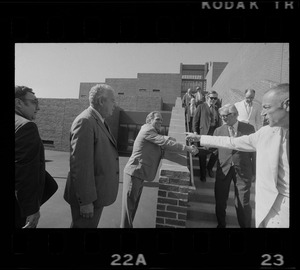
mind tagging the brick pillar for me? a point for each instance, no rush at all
(172, 199)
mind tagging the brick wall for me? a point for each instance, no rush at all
(174, 178)
(128, 89)
(55, 117)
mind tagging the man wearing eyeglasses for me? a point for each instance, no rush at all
(249, 111)
(205, 121)
(33, 184)
(236, 166)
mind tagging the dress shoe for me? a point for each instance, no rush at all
(210, 173)
(203, 179)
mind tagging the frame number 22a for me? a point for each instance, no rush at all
(128, 260)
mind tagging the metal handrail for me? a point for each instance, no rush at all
(192, 183)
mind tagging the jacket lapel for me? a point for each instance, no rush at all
(105, 130)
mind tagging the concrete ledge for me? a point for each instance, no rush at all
(174, 178)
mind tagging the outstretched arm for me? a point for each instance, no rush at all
(245, 143)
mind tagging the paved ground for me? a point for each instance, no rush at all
(55, 213)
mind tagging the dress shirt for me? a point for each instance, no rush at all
(283, 183)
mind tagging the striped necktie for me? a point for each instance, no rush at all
(231, 131)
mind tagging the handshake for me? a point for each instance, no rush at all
(192, 137)
(192, 149)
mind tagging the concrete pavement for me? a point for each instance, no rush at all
(55, 213)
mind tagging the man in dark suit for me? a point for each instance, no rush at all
(93, 180)
(144, 162)
(33, 185)
(205, 121)
(236, 166)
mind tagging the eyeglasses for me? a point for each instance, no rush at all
(33, 101)
(225, 115)
(214, 98)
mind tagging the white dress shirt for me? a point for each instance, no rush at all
(249, 114)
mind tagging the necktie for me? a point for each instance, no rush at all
(231, 131)
(248, 105)
(212, 116)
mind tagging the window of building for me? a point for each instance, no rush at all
(48, 143)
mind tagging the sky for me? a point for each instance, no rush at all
(55, 70)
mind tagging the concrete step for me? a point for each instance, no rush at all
(206, 194)
(201, 214)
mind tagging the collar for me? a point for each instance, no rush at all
(235, 125)
(98, 114)
(246, 103)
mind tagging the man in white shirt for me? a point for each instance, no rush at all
(249, 111)
(271, 144)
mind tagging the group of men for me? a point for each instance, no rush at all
(93, 179)
(246, 151)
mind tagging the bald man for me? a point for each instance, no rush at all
(271, 143)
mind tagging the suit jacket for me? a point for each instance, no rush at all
(244, 162)
(267, 144)
(147, 152)
(254, 118)
(29, 166)
(94, 162)
(201, 121)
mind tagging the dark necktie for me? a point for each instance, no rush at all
(212, 116)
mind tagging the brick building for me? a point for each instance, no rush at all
(136, 97)
(256, 65)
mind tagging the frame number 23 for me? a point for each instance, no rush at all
(272, 260)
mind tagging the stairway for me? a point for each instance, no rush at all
(201, 206)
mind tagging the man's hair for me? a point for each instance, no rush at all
(21, 91)
(229, 108)
(97, 91)
(150, 116)
(250, 90)
(281, 91)
(213, 92)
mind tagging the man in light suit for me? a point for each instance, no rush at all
(205, 121)
(249, 111)
(271, 143)
(93, 180)
(144, 162)
(33, 184)
(236, 166)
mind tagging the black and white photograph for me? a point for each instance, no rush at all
(136, 169)
(149, 135)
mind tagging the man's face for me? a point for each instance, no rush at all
(108, 104)
(28, 106)
(211, 99)
(228, 117)
(273, 111)
(157, 121)
(249, 96)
